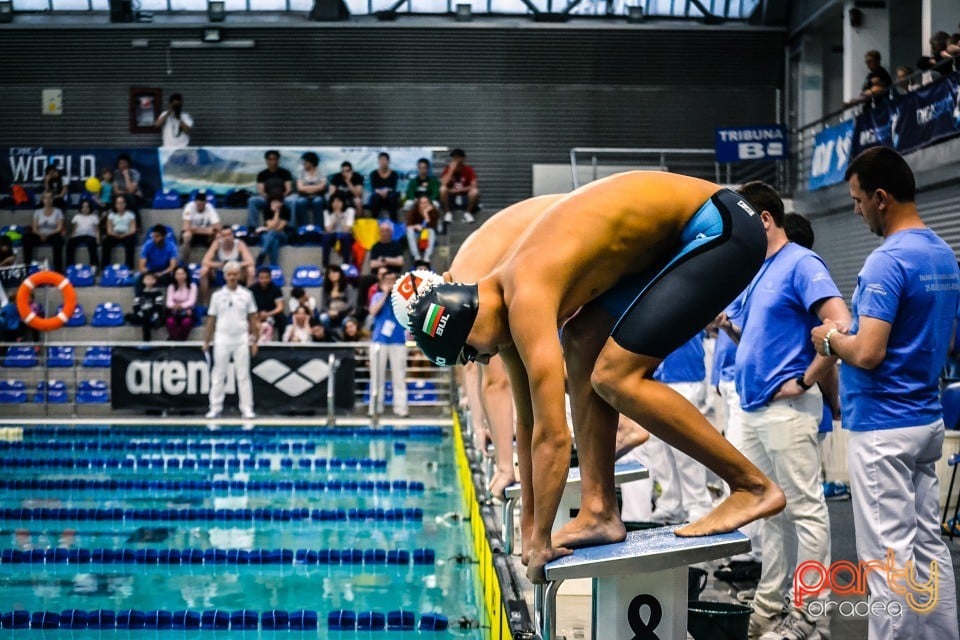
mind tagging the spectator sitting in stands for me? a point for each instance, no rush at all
(338, 226)
(273, 233)
(311, 187)
(422, 225)
(352, 331)
(53, 182)
(269, 299)
(938, 53)
(272, 182)
(159, 257)
(224, 249)
(339, 298)
(300, 298)
(458, 182)
(181, 304)
(319, 332)
(877, 82)
(104, 197)
(7, 255)
(424, 184)
(148, 306)
(126, 182)
(387, 252)
(384, 183)
(349, 185)
(953, 45)
(46, 229)
(86, 232)
(201, 225)
(903, 84)
(299, 329)
(121, 229)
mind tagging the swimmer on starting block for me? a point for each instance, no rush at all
(653, 258)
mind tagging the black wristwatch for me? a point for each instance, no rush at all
(803, 385)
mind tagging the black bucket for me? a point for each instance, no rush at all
(718, 620)
(641, 526)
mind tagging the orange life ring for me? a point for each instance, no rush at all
(52, 278)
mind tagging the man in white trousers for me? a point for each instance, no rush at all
(233, 325)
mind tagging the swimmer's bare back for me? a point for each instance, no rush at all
(585, 242)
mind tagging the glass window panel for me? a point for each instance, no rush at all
(101, 5)
(188, 5)
(153, 5)
(301, 5)
(268, 5)
(70, 5)
(30, 5)
(515, 6)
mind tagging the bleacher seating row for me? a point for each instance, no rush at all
(26, 356)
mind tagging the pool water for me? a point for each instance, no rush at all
(275, 527)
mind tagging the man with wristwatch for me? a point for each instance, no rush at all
(777, 372)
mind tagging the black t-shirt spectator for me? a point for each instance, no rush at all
(273, 181)
(266, 299)
(881, 76)
(284, 215)
(378, 182)
(386, 250)
(337, 181)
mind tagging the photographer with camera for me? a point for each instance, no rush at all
(175, 124)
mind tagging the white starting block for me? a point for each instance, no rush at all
(623, 472)
(639, 585)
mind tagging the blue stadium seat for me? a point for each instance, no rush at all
(92, 385)
(307, 275)
(13, 397)
(116, 275)
(55, 391)
(309, 234)
(93, 392)
(60, 356)
(169, 199)
(194, 270)
(78, 319)
(950, 398)
(241, 232)
(399, 232)
(13, 385)
(97, 357)
(107, 314)
(80, 275)
(350, 271)
(15, 231)
(422, 391)
(199, 314)
(276, 275)
(20, 356)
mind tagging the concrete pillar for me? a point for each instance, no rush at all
(937, 15)
(873, 33)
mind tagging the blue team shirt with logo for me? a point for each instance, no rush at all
(386, 328)
(776, 319)
(724, 355)
(685, 364)
(912, 282)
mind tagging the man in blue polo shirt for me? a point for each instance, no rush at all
(904, 309)
(777, 371)
(158, 256)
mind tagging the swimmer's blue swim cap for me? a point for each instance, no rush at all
(441, 320)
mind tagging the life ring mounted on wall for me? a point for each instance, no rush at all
(52, 278)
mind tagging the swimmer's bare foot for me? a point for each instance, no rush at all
(588, 530)
(740, 508)
(524, 550)
(501, 480)
(629, 436)
(538, 560)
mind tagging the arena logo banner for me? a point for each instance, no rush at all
(872, 130)
(763, 142)
(927, 114)
(178, 378)
(25, 166)
(223, 168)
(831, 155)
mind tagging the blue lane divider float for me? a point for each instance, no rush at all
(242, 557)
(239, 486)
(215, 515)
(222, 620)
(168, 446)
(191, 463)
(260, 433)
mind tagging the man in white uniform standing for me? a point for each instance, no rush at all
(233, 325)
(175, 124)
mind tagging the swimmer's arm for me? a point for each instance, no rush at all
(534, 330)
(520, 387)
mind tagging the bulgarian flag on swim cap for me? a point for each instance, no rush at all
(430, 323)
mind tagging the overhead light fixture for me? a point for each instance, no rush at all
(216, 10)
(464, 13)
(213, 34)
(634, 15)
(6, 11)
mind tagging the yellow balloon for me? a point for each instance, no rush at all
(92, 185)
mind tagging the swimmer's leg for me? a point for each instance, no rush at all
(623, 379)
(498, 408)
(595, 433)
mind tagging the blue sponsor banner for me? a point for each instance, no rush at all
(25, 166)
(872, 130)
(220, 169)
(927, 114)
(831, 155)
(763, 142)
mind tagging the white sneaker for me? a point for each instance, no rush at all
(793, 627)
(468, 217)
(448, 217)
(212, 414)
(248, 414)
(760, 625)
